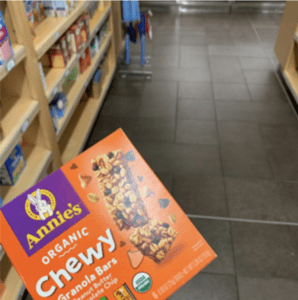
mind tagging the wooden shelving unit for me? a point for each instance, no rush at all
(25, 114)
(286, 47)
(10, 277)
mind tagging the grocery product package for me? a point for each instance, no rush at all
(102, 227)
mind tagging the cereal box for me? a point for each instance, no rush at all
(102, 227)
(6, 50)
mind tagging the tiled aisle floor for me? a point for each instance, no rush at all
(216, 127)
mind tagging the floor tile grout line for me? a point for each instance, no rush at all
(224, 183)
(229, 219)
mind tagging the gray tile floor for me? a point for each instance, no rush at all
(215, 126)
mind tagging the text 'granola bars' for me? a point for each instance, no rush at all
(154, 239)
(119, 190)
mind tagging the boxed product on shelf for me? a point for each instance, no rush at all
(93, 47)
(85, 60)
(38, 12)
(45, 60)
(71, 78)
(2, 286)
(49, 8)
(58, 107)
(1, 201)
(83, 23)
(58, 54)
(13, 167)
(96, 84)
(102, 226)
(86, 19)
(77, 38)
(69, 44)
(71, 5)
(6, 50)
(61, 8)
(30, 16)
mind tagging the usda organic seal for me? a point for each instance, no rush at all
(142, 282)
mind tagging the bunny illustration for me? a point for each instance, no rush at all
(40, 205)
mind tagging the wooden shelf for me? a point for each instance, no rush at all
(25, 83)
(291, 78)
(77, 136)
(19, 54)
(98, 19)
(79, 87)
(12, 281)
(14, 119)
(51, 29)
(37, 160)
(296, 37)
(54, 77)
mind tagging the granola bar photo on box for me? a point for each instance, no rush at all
(119, 190)
(154, 239)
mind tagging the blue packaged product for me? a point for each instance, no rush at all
(13, 167)
(58, 105)
(97, 76)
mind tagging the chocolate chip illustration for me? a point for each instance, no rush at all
(163, 203)
(122, 243)
(129, 156)
(110, 155)
(95, 167)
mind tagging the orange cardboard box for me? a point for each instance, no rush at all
(102, 227)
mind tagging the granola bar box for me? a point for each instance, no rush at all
(102, 227)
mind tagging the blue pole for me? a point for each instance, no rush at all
(143, 50)
(127, 54)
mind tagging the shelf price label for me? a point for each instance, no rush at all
(57, 35)
(55, 90)
(10, 65)
(25, 126)
(66, 73)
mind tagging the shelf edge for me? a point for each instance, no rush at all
(32, 112)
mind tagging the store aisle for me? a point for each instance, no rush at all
(215, 126)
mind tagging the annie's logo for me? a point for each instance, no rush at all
(38, 208)
(42, 208)
(48, 210)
